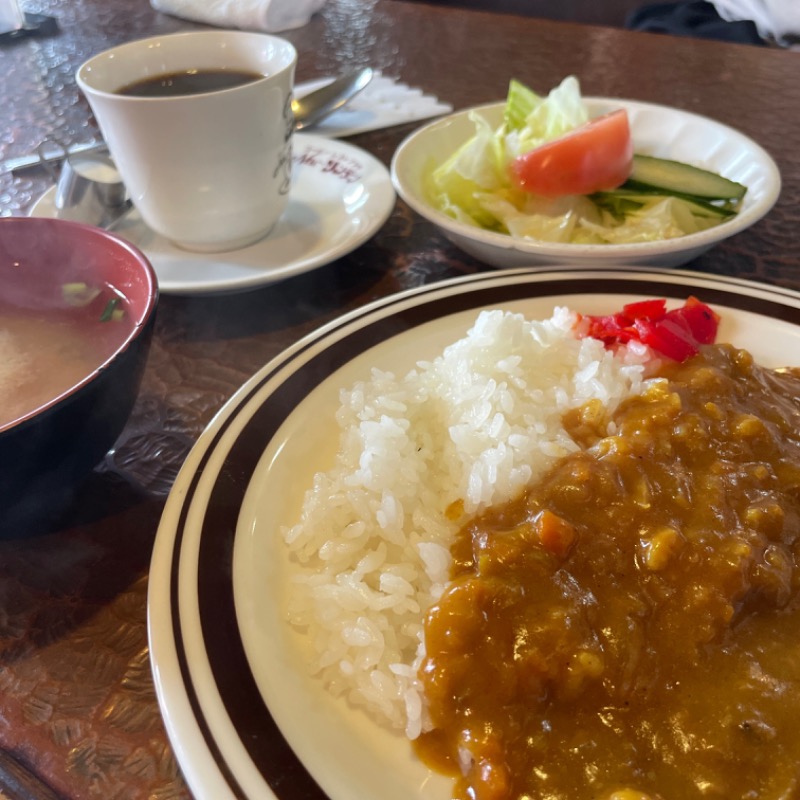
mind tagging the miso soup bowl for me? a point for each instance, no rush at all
(105, 292)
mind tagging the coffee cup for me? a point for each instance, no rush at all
(200, 128)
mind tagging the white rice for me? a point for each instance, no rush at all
(477, 424)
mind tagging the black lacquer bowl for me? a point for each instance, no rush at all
(92, 296)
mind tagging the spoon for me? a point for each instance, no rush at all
(316, 105)
(308, 111)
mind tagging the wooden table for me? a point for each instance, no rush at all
(78, 714)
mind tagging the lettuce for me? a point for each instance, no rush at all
(473, 185)
(531, 121)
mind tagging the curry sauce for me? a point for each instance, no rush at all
(629, 629)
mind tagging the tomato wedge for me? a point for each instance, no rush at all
(595, 157)
(676, 334)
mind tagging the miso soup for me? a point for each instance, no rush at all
(44, 354)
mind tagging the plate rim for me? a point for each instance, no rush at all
(384, 198)
(206, 777)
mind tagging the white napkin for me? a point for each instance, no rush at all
(382, 103)
(269, 16)
(778, 20)
(11, 18)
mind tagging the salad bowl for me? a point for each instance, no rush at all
(656, 130)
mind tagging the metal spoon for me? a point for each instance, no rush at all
(317, 105)
(308, 111)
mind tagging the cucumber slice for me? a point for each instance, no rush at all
(673, 177)
(622, 201)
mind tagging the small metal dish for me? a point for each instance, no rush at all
(89, 189)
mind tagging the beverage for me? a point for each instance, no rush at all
(190, 81)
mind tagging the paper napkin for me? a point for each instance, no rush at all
(382, 103)
(270, 16)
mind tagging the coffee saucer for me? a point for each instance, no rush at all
(341, 195)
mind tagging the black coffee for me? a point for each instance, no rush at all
(194, 81)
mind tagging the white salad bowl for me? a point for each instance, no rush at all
(657, 131)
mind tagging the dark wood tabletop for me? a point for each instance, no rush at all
(78, 712)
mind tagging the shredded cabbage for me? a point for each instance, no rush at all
(473, 186)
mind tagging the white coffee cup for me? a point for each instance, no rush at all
(209, 171)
